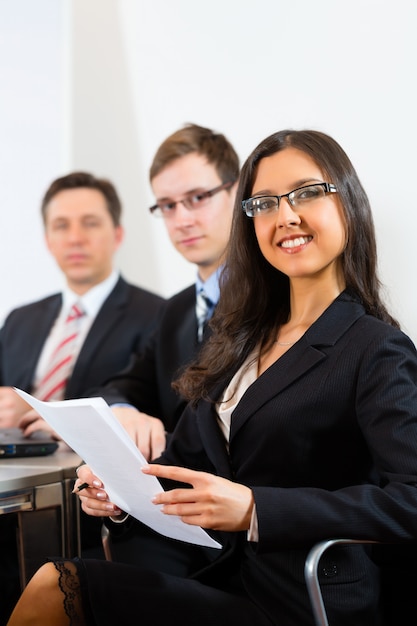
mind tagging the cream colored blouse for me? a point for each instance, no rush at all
(232, 395)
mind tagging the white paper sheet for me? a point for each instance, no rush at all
(89, 427)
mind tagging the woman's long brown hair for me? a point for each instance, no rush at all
(254, 297)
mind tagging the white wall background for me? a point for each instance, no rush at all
(33, 122)
(98, 84)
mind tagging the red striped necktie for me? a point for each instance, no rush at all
(52, 386)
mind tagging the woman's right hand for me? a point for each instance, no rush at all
(94, 499)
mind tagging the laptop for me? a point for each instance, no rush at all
(13, 444)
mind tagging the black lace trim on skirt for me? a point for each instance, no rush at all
(72, 583)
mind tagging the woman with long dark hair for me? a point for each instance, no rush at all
(301, 423)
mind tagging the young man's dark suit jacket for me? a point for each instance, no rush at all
(327, 440)
(146, 383)
(121, 328)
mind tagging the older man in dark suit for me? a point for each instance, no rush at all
(81, 215)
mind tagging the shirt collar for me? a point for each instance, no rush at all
(211, 285)
(93, 299)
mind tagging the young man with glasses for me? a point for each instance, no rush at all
(194, 178)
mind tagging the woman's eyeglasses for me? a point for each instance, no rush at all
(298, 198)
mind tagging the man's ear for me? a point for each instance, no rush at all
(120, 235)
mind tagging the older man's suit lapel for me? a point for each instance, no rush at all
(108, 317)
(304, 355)
(41, 322)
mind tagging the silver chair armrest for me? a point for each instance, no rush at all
(312, 579)
(106, 542)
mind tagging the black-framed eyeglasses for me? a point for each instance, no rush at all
(298, 198)
(192, 201)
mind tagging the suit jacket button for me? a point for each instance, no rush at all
(329, 570)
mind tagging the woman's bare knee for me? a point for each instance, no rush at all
(41, 600)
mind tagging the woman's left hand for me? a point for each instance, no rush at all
(213, 502)
(90, 490)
